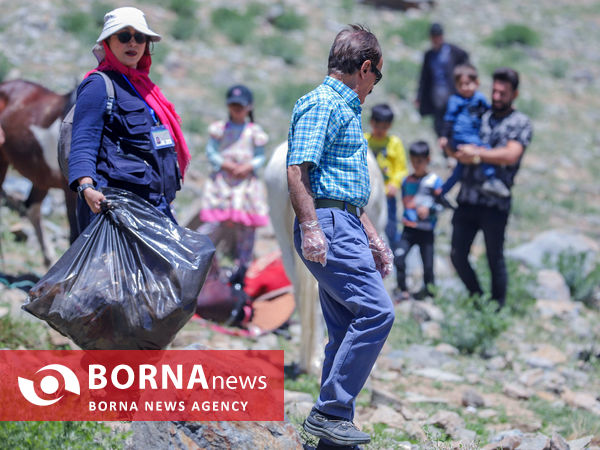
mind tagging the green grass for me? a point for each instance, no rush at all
(81, 24)
(183, 8)
(59, 435)
(568, 422)
(286, 94)
(513, 33)
(185, 28)
(16, 334)
(5, 66)
(289, 20)
(237, 26)
(406, 331)
(413, 32)
(304, 383)
(400, 78)
(581, 274)
(282, 47)
(472, 323)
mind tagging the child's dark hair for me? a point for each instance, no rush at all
(419, 148)
(507, 75)
(467, 70)
(382, 113)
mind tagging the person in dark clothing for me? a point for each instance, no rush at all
(141, 147)
(507, 132)
(436, 82)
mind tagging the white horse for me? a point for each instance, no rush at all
(305, 286)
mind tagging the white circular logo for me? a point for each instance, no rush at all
(49, 385)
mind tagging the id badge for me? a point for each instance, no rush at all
(160, 137)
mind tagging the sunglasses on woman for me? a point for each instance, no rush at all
(125, 36)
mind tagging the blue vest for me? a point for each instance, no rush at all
(126, 158)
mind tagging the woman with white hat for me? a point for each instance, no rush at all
(139, 147)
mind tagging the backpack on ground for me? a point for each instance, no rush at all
(66, 127)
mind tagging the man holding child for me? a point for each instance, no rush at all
(507, 132)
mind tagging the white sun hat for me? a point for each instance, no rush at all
(119, 18)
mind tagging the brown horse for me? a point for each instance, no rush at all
(29, 118)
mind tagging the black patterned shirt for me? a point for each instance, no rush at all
(496, 132)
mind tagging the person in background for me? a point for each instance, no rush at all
(233, 202)
(507, 132)
(141, 148)
(391, 157)
(329, 186)
(436, 83)
(419, 191)
(462, 123)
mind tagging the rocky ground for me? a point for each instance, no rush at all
(448, 375)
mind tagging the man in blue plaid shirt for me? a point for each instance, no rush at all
(328, 181)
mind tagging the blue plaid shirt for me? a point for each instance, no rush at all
(326, 130)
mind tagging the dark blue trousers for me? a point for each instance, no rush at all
(356, 307)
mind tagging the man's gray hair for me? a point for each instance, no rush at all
(353, 46)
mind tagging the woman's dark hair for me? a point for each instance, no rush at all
(353, 46)
(382, 113)
(419, 148)
(507, 75)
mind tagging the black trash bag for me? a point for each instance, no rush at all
(130, 281)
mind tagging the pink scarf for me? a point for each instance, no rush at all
(153, 96)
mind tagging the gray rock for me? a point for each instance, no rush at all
(415, 431)
(552, 243)
(496, 363)
(295, 397)
(426, 311)
(533, 442)
(421, 356)
(581, 443)
(451, 423)
(382, 397)
(447, 349)
(431, 330)
(558, 308)
(557, 442)
(471, 397)
(487, 414)
(551, 285)
(515, 432)
(439, 375)
(299, 409)
(507, 443)
(415, 397)
(517, 391)
(388, 416)
(546, 357)
(194, 435)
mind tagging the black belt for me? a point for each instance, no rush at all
(339, 204)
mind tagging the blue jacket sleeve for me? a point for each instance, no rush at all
(452, 109)
(88, 124)
(213, 155)
(259, 157)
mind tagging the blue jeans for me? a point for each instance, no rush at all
(356, 307)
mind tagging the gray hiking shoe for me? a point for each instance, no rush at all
(338, 431)
(495, 187)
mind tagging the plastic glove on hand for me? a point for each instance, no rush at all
(314, 245)
(382, 255)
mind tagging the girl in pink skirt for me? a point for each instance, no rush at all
(234, 202)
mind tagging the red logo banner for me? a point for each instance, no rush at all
(180, 385)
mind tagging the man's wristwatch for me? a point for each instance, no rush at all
(476, 159)
(83, 187)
